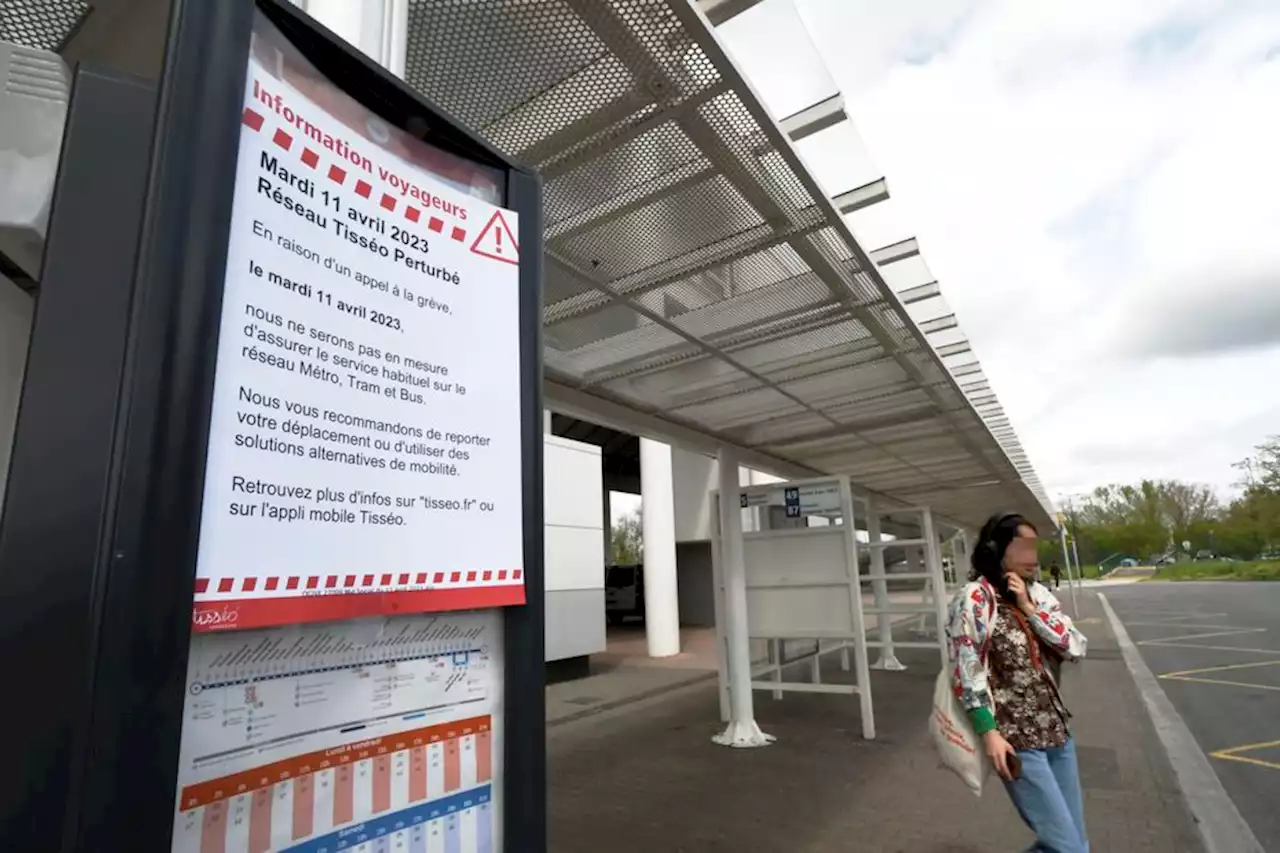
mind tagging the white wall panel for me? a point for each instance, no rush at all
(693, 477)
(573, 489)
(574, 558)
(573, 495)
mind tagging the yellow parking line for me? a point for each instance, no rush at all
(1227, 631)
(1214, 648)
(1205, 632)
(1180, 623)
(1223, 682)
(1232, 754)
(1180, 614)
(1185, 672)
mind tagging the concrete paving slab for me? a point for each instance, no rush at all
(644, 776)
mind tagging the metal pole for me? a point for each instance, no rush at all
(742, 730)
(933, 560)
(1066, 558)
(717, 588)
(862, 671)
(888, 660)
(1075, 550)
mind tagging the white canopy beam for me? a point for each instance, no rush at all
(719, 11)
(815, 118)
(894, 252)
(863, 196)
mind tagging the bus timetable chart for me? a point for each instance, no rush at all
(374, 736)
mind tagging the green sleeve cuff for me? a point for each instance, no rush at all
(982, 719)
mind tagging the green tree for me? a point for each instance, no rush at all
(1150, 517)
(1251, 524)
(626, 540)
(1142, 520)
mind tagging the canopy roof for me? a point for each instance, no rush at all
(701, 286)
(697, 274)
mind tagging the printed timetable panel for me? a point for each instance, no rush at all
(375, 736)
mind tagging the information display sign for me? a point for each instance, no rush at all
(363, 507)
(317, 570)
(364, 443)
(822, 499)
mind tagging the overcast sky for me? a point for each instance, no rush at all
(1095, 186)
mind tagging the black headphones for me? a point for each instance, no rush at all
(989, 542)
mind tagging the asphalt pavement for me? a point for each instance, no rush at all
(1215, 650)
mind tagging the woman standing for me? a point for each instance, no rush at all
(1007, 635)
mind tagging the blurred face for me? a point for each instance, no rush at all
(1022, 555)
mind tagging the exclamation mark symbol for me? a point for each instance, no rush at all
(497, 233)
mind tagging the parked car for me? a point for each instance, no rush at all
(1269, 555)
(1204, 554)
(623, 593)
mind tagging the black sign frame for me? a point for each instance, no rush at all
(124, 773)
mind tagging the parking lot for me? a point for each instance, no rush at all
(1215, 648)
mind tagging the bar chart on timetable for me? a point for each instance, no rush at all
(372, 736)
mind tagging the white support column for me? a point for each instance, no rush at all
(658, 520)
(742, 730)
(933, 559)
(717, 596)
(888, 659)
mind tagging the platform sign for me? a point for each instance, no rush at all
(797, 501)
(330, 464)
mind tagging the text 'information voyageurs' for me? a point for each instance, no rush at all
(364, 450)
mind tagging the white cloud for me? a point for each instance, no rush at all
(1092, 186)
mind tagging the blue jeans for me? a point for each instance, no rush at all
(1048, 798)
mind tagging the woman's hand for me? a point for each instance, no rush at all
(999, 751)
(1018, 587)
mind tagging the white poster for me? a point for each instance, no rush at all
(379, 735)
(364, 451)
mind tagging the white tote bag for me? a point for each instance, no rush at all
(958, 747)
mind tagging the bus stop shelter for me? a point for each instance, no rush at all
(702, 287)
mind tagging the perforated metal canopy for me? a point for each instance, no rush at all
(699, 281)
(40, 24)
(701, 286)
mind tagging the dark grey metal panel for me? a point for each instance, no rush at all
(696, 584)
(62, 447)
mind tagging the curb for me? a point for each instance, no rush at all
(1217, 819)
(632, 698)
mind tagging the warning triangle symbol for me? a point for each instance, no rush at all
(496, 241)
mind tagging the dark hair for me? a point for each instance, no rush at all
(993, 541)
